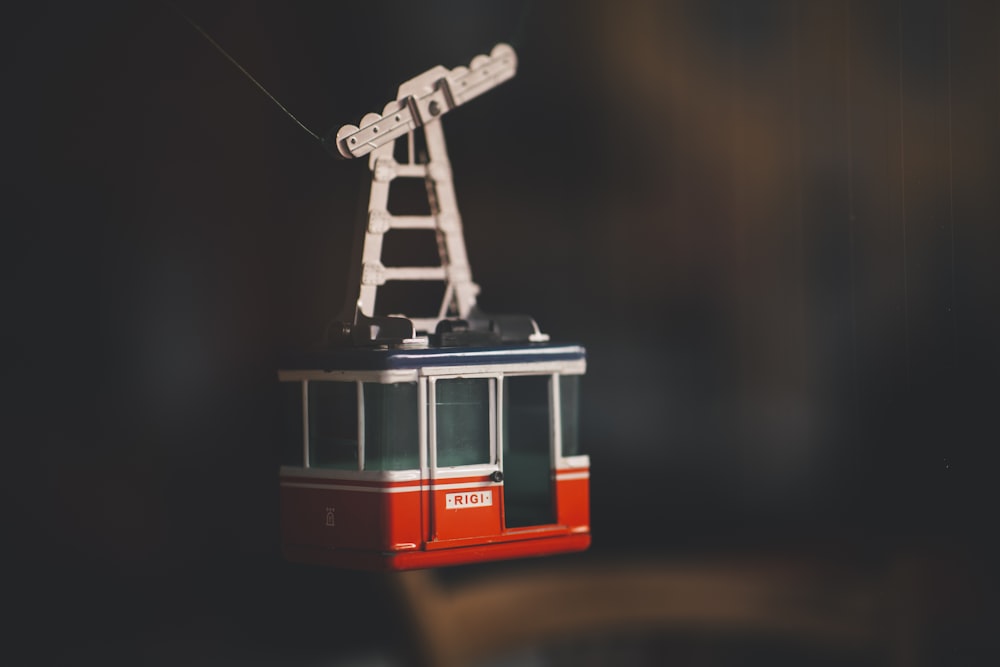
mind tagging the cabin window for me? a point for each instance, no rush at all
(292, 428)
(462, 407)
(569, 407)
(333, 425)
(391, 428)
(526, 415)
(527, 440)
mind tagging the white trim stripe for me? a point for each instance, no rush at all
(575, 367)
(388, 376)
(391, 476)
(344, 487)
(467, 485)
(349, 476)
(388, 489)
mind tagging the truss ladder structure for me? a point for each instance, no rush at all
(420, 103)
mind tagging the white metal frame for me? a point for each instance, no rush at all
(495, 395)
(425, 379)
(420, 103)
(381, 377)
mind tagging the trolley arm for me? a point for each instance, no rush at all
(424, 99)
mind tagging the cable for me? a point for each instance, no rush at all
(240, 68)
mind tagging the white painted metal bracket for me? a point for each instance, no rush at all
(426, 98)
(420, 103)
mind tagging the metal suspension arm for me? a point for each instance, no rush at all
(426, 98)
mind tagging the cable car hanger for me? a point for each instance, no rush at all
(420, 104)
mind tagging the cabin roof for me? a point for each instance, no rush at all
(360, 358)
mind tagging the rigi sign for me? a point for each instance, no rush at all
(468, 499)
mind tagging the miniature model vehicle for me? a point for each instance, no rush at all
(423, 442)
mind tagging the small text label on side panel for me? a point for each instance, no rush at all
(468, 499)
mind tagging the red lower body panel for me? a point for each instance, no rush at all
(403, 525)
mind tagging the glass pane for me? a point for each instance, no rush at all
(391, 437)
(569, 395)
(527, 468)
(291, 436)
(463, 421)
(526, 415)
(333, 425)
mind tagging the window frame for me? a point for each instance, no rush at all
(359, 435)
(495, 426)
(359, 383)
(425, 379)
(419, 422)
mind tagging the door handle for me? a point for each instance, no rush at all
(497, 476)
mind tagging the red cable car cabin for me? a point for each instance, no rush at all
(411, 458)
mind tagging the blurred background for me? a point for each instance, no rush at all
(774, 225)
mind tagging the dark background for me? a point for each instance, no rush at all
(774, 226)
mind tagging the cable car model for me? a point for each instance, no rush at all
(424, 442)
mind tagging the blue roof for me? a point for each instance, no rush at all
(377, 359)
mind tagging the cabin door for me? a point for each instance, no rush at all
(528, 444)
(465, 467)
